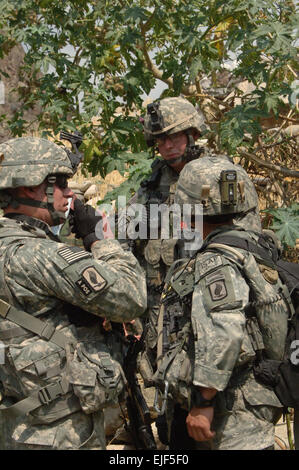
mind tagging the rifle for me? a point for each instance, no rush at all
(139, 424)
(76, 140)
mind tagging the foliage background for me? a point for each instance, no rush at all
(89, 64)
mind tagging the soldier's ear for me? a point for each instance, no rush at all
(31, 191)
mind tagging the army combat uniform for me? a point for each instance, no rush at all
(156, 256)
(218, 351)
(48, 280)
(61, 366)
(165, 118)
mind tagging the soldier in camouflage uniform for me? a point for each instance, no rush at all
(171, 126)
(220, 310)
(58, 372)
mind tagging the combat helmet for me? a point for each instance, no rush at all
(221, 186)
(28, 161)
(171, 115)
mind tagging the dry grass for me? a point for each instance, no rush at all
(111, 181)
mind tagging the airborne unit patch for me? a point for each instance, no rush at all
(94, 279)
(91, 281)
(218, 290)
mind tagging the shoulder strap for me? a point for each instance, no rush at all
(49, 393)
(43, 329)
(247, 245)
(228, 248)
(289, 272)
(152, 181)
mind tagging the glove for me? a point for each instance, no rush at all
(83, 221)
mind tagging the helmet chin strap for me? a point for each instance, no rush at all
(55, 215)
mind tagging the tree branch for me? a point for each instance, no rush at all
(271, 166)
(286, 118)
(188, 90)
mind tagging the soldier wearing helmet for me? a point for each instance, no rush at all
(58, 372)
(173, 125)
(220, 311)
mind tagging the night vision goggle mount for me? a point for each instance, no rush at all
(76, 140)
(157, 122)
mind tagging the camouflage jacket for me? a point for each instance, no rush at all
(157, 255)
(222, 294)
(69, 289)
(220, 340)
(41, 275)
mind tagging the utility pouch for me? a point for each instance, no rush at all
(167, 251)
(268, 305)
(145, 369)
(97, 379)
(152, 254)
(175, 371)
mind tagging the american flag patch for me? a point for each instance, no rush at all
(73, 254)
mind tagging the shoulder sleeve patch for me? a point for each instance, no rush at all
(72, 254)
(216, 284)
(218, 289)
(91, 281)
(206, 264)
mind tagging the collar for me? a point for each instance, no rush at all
(220, 230)
(32, 222)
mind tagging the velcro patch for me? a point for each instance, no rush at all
(206, 265)
(94, 279)
(72, 254)
(91, 281)
(218, 290)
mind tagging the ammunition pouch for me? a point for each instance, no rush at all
(159, 255)
(97, 379)
(175, 372)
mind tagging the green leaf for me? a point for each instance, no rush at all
(286, 224)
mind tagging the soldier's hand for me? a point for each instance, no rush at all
(199, 422)
(83, 222)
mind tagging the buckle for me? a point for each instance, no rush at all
(51, 179)
(161, 410)
(47, 394)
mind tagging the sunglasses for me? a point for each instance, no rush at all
(174, 138)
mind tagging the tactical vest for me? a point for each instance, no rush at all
(159, 254)
(66, 373)
(175, 345)
(281, 374)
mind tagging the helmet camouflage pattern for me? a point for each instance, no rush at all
(173, 115)
(27, 161)
(218, 184)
